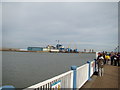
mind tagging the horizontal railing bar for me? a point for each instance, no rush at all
(82, 66)
(49, 80)
(64, 77)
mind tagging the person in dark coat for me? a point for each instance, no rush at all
(115, 59)
(104, 53)
(112, 58)
(118, 59)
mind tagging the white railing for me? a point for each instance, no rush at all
(82, 75)
(92, 68)
(65, 80)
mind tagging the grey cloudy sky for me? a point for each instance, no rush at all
(87, 25)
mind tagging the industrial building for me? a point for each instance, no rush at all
(35, 48)
(50, 48)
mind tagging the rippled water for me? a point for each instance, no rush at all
(23, 69)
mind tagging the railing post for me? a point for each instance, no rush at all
(74, 76)
(89, 70)
(95, 65)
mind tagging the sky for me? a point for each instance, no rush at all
(82, 25)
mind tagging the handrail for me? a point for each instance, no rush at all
(82, 66)
(68, 78)
(49, 80)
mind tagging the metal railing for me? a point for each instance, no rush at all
(75, 78)
(82, 75)
(65, 80)
(92, 64)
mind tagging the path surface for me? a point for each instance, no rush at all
(109, 80)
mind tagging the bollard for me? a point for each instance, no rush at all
(89, 70)
(74, 76)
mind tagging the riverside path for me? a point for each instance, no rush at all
(110, 79)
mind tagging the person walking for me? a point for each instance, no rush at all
(112, 58)
(100, 62)
(107, 57)
(119, 59)
(104, 57)
(115, 59)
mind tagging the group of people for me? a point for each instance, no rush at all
(103, 58)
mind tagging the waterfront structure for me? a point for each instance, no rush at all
(23, 49)
(58, 46)
(46, 49)
(75, 78)
(50, 48)
(35, 48)
(84, 50)
(54, 50)
(75, 50)
(68, 50)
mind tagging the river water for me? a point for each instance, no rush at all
(23, 69)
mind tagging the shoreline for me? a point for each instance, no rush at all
(17, 50)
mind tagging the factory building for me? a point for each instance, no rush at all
(35, 48)
(50, 48)
(46, 49)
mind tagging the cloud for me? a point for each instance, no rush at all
(35, 24)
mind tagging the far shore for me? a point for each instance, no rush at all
(18, 50)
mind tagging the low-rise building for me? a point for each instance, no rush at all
(46, 49)
(54, 50)
(35, 48)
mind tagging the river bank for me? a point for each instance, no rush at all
(18, 50)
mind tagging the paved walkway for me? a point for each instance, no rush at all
(109, 80)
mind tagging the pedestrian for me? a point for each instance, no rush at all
(115, 59)
(107, 58)
(104, 57)
(112, 58)
(119, 59)
(100, 62)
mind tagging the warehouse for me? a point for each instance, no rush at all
(35, 48)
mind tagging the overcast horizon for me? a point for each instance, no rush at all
(91, 25)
